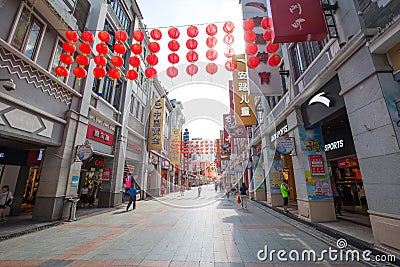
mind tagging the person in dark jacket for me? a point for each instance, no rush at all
(132, 197)
(243, 196)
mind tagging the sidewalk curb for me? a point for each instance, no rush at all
(50, 224)
(358, 243)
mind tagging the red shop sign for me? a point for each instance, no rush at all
(106, 174)
(99, 135)
(297, 21)
(317, 165)
(347, 163)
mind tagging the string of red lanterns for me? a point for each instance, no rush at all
(229, 27)
(174, 46)
(192, 56)
(211, 42)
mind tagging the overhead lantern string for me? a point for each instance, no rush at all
(229, 39)
(152, 58)
(100, 60)
(173, 58)
(134, 61)
(192, 56)
(82, 59)
(119, 49)
(67, 58)
(211, 42)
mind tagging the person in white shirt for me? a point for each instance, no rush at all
(6, 199)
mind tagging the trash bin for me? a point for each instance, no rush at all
(72, 212)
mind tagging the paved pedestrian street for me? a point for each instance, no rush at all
(169, 231)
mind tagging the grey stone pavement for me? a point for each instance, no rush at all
(172, 231)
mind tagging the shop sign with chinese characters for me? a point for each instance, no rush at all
(99, 135)
(244, 103)
(264, 79)
(297, 21)
(175, 146)
(155, 140)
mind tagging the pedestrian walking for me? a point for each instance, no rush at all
(199, 190)
(84, 195)
(132, 197)
(6, 200)
(337, 198)
(216, 186)
(243, 196)
(162, 189)
(284, 191)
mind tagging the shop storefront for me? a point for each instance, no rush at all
(96, 172)
(342, 162)
(280, 165)
(257, 183)
(133, 171)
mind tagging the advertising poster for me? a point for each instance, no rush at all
(258, 176)
(275, 176)
(391, 93)
(317, 176)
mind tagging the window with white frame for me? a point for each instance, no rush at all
(55, 61)
(28, 33)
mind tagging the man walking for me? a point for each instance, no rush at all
(243, 196)
(284, 191)
(132, 197)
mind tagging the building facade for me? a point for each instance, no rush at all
(342, 112)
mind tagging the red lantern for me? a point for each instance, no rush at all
(272, 48)
(152, 59)
(191, 44)
(71, 36)
(192, 31)
(138, 35)
(173, 45)
(172, 72)
(121, 36)
(173, 33)
(82, 60)
(87, 37)
(132, 75)
(100, 60)
(211, 54)
(69, 47)
(119, 48)
(274, 60)
(85, 48)
(134, 61)
(154, 47)
(61, 71)
(211, 68)
(173, 58)
(102, 48)
(66, 59)
(211, 29)
(80, 72)
(253, 62)
(250, 36)
(99, 73)
(229, 39)
(192, 56)
(248, 25)
(114, 73)
(136, 49)
(150, 73)
(192, 69)
(231, 65)
(267, 34)
(229, 27)
(229, 52)
(104, 36)
(251, 49)
(156, 34)
(211, 42)
(266, 23)
(117, 61)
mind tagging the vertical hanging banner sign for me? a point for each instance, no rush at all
(175, 147)
(297, 21)
(155, 140)
(244, 103)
